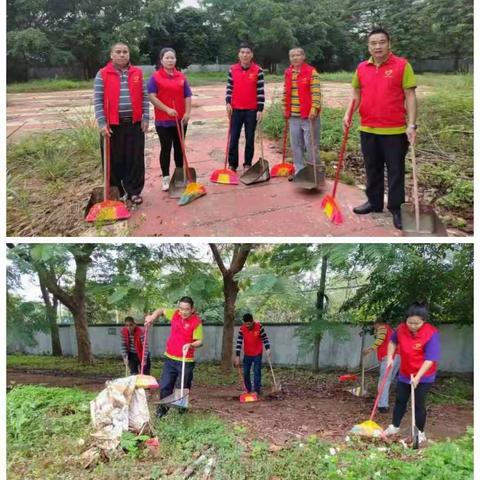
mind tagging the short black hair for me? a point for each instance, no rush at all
(248, 317)
(129, 320)
(246, 45)
(186, 300)
(418, 309)
(379, 30)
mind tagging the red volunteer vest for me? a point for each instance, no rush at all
(382, 103)
(252, 342)
(181, 332)
(137, 340)
(244, 95)
(170, 92)
(382, 350)
(412, 349)
(111, 95)
(304, 79)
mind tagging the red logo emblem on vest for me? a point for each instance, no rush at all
(251, 76)
(417, 346)
(388, 73)
(135, 78)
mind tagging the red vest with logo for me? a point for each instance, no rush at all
(181, 332)
(412, 348)
(382, 350)
(252, 342)
(382, 103)
(170, 91)
(244, 95)
(137, 340)
(304, 79)
(111, 92)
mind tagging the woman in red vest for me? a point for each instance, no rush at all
(254, 338)
(170, 94)
(419, 347)
(122, 113)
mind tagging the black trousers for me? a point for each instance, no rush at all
(127, 158)
(247, 118)
(169, 136)
(171, 375)
(135, 364)
(403, 394)
(378, 151)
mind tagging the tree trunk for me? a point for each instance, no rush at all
(320, 306)
(82, 335)
(230, 291)
(51, 309)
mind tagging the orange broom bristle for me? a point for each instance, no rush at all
(192, 191)
(331, 209)
(108, 211)
(282, 170)
(225, 176)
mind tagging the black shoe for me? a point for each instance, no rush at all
(366, 208)
(397, 220)
(290, 178)
(232, 168)
(162, 410)
(383, 409)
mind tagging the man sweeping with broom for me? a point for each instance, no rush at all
(253, 337)
(134, 347)
(186, 335)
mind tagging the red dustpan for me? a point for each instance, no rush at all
(329, 204)
(108, 210)
(225, 176)
(145, 381)
(284, 169)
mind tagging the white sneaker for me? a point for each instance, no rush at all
(391, 430)
(422, 438)
(165, 183)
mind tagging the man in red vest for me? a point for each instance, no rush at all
(133, 343)
(245, 100)
(186, 335)
(384, 89)
(302, 105)
(253, 337)
(122, 112)
(383, 333)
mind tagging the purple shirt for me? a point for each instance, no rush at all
(152, 87)
(432, 352)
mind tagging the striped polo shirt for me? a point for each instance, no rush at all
(315, 89)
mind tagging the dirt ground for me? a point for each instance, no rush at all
(324, 410)
(276, 208)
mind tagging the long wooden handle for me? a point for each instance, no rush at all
(273, 375)
(284, 147)
(413, 407)
(183, 374)
(415, 189)
(312, 147)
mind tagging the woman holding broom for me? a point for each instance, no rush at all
(170, 94)
(419, 348)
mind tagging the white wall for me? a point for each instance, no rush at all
(457, 345)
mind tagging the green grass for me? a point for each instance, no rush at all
(49, 85)
(46, 429)
(50, 177)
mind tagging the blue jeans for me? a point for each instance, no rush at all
(240, 118)
(383, 402)
(257, 372)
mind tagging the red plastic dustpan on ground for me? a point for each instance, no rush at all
(329, 204)
(225, 176)
(284, 169)
(145, 381)
(246, 396)
(107, 210)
